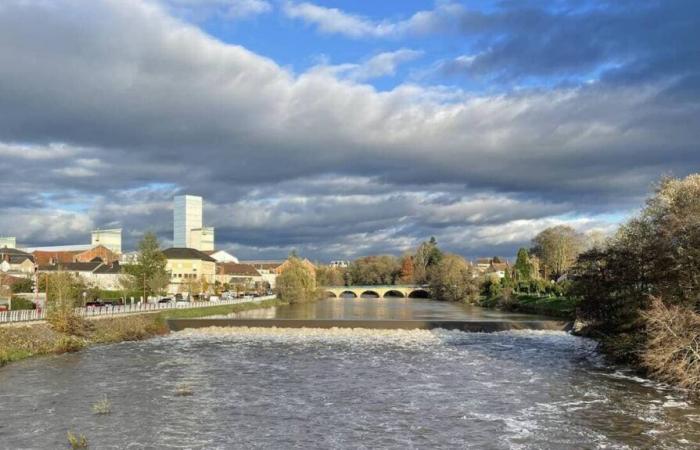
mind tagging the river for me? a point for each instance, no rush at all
(342, 388)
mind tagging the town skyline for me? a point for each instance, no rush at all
(477, 123)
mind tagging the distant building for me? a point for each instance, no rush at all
(235, 273)
(267, 269)
(340, 263)
(71, 253)
(105, 276)
(187, 266)
(112, 239)
(8, 242)
(188, 231)
(17, 262)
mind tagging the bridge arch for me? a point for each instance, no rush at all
(394, 293)
(370, 293)
(419, 293)
(330, 294)
(348, 294)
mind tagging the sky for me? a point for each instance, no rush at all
(342, 128)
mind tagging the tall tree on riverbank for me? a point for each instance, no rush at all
(557, 247)
(427, 255)
(634, 288)
(296, 283)
(406, 275)
(149, 270)
(523, 267)
(451, 280)
(374, 270)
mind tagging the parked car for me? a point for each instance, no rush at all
(165, 300)
(214, 299)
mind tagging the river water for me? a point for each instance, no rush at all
(342, 388)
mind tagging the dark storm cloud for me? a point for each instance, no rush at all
(115, 106)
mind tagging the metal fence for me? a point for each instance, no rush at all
(33, 315)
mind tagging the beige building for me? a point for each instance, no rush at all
(188, 267)
(13, 261)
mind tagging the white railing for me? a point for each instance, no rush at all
(33, 315)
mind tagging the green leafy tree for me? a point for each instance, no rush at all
(63, 293)
(150, 265)
(374, 270)
(427, 255)
(523, 267)
(451, 280)
(296, 283)
(25, 285)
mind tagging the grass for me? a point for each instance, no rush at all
(562, 307)
(102, 407)
(21, 342)
(76, 442)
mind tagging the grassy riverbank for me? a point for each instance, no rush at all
(19, 342)
(554, 306)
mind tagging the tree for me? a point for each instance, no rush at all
(523, 267)
(62, 295)
(150, 264)
(158, 283)
(655, 255)
(296, 283)
(406, 273)
(329, 276)
(451, 280)
(427, 255)
(374, 270)
(557, 247)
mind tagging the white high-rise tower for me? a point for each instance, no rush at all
(188, 217)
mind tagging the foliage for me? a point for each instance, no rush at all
(654, 256)
(672, 350)
(330, 276)
(149, 270)
(427, 255)
(63, 291)
(25, 285)
(296, 284)
(21, 303)
(374, 270)
(451, 280)
(102, 406)
(557, 247)
(406, 273)
(158, 282)
(77, 441)
(523, 267)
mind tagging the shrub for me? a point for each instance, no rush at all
(21, 303)
(68, 344)
(672, 350)
(77, 442)
(102, 407)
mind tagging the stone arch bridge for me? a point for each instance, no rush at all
(400, 290)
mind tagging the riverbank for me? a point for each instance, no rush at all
(26, 341)
(553, 306)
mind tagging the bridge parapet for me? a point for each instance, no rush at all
(381, 291)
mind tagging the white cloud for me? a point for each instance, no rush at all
(380, 65)
(336, 21)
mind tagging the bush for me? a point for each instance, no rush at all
(68, 344)
(672, 349)
(21, 303)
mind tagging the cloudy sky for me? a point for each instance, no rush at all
(342, 128)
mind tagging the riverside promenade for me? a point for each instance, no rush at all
(24, 316)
